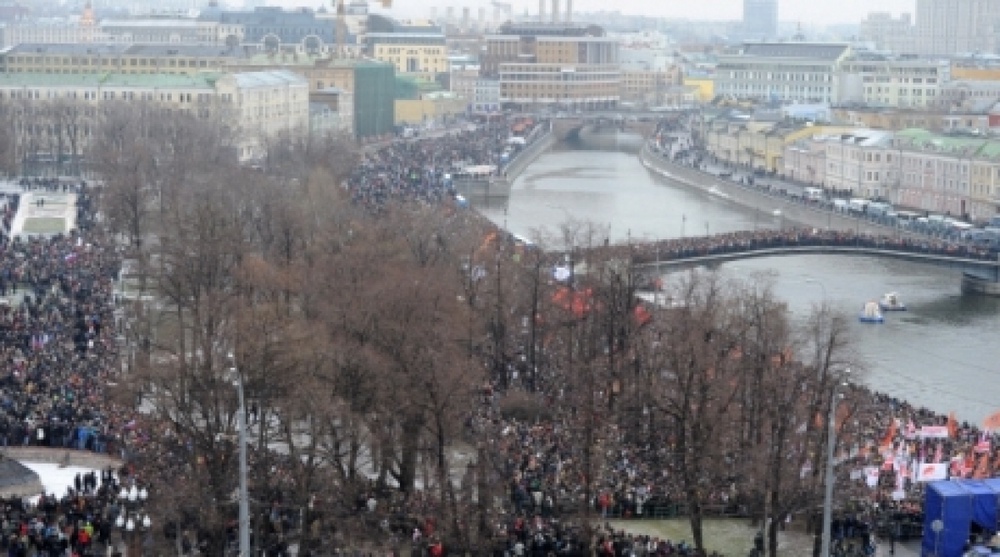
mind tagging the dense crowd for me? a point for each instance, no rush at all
(57, 340)
(426, 169)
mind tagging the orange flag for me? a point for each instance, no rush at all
(890, 434)
(952, 425)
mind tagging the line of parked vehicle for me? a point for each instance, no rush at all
(937, 225)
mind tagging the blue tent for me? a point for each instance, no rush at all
(958, 504)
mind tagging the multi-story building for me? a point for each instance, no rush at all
(793, 71)
(116, 58)
(875, 80)
(487, 96)
(12, 34)
(760, 18)
(952, 27)
(937, 169)
(935, 119)
(957, 94)
(650, 87)
(254, 105)
(861, 162)
(161, 31)
(415, 47)
(569, 65)
(273, 29)
(897, 36)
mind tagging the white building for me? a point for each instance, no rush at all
(265, 104)
(487, 96)
(892, 82)
(862, 162)
(803, 72)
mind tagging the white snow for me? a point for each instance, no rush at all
(55, 478)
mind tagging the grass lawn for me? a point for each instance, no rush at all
(44, 225)
(729, 536)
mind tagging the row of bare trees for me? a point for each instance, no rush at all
(364, 341)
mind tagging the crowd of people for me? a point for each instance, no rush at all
(426, 169)
(751, 240)
(57, 341)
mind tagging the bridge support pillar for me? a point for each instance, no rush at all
(980, 284)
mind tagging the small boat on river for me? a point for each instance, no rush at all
(891, 302)
(871, 313)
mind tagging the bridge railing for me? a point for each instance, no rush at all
(687, 248)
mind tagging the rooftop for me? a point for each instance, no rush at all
(268, 78)
(821, 51)
(108, 80)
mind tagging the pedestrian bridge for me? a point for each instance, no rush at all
(713, 256)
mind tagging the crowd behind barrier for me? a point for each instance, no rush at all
(737, 242)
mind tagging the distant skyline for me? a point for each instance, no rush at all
(812, 12)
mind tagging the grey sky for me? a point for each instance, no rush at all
(805, 11)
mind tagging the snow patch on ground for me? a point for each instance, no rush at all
(54, 477)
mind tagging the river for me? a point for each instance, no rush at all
(942, 353)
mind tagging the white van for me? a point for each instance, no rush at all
(813, 194)
(857, 205)
(840, 205)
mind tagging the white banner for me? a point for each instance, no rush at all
(933, 432)
(930, 471)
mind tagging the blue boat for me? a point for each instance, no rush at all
(871, 313)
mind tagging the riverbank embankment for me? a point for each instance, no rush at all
(792, 211)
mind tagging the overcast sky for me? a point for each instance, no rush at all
(804, 11)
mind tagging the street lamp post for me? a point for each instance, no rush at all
(133, 517)
(244, 497)
(831, 442)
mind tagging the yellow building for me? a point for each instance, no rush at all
(431, 106)
(960, 73)
(705, 85)
(83, 58)
(648, 86)
(412, 47)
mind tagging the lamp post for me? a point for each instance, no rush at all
(133, 517)
(244, 497)
(831, 442)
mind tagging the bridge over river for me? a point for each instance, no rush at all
(980, 268)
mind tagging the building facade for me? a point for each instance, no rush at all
(252, 105)
(891, 82)
(895, 35)
(418, 48)
(566, 65)
(798, 72)
(953, 27)
(116, 58)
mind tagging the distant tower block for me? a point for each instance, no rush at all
(450, 14)
(555, 11)
(434, 13)
(541, 10)
(482, 16)
(569, 11)
(465, 17)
